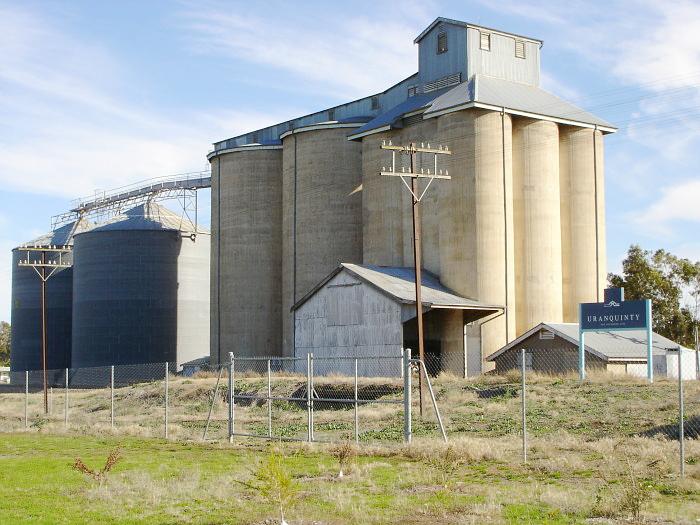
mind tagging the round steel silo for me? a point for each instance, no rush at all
(322, 210)
(246, 270)
(141, 290)
(25, 348)
(536, 206)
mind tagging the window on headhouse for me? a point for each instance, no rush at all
(375, 103)
(519, 49)
(485, 41)
(442, 43)
(331, 114)
(412, 91)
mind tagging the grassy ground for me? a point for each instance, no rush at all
(471, 481)
(599, 452)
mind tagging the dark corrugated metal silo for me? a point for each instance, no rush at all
(25, 347)
(141, 290)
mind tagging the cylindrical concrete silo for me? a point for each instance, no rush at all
(382, 205)
(386, 203)
(476, 218)
(25, 347)
(322, 210)
(537, 223)
(582, 220)
(141, 290)
(246, 279)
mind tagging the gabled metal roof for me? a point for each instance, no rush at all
(466, 25)
(492, 93)
(628, 345)
(516, 98)
(399, 283)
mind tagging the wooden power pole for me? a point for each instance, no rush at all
(45, 269)
(412, 150)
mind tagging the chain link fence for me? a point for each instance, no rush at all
(357, 399)
(534, 401)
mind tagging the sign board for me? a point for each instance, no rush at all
(613, 315)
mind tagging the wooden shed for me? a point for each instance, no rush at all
(369, 311)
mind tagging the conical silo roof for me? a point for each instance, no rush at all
(62, 236)
(148, 216)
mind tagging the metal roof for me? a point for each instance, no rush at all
(399, 283)
(149, 216)
(513, 96)
(466, 25)
(391, 117)
(628, 345)
(62, 236)
(486, 92)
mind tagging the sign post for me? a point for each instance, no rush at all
(615, 314)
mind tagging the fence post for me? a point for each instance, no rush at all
(269, 399)
(681, 407)
(111, 395)
(407, 395)
(167, 370)
(51, 401)
(26, 399)
(522, 400)
(357, 419)
(65, 411)
(309, 422)
(231, 413)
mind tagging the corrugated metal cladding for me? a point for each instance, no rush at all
(141, 290)
(25, 348)
(501, 60)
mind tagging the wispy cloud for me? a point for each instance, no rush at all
(677, 202)
(351, 57)
(69, 129)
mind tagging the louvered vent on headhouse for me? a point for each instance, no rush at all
(519, 49)
(450, 80)
(413, 119)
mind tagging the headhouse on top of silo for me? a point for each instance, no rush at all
(520, 226)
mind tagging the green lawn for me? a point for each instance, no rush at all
(471, 481)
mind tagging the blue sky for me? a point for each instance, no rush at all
(95, 95)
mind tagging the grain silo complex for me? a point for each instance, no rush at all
(518, 232)
(141, 290)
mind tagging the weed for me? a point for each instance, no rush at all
(275, 483)
(344, 454)
(99, 475)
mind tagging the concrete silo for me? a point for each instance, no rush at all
(141, 290)
(322, 210)
(476, 217)
(536, 207)
(246, 252)
(386, 204)
(582, 218)
(25, 348)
